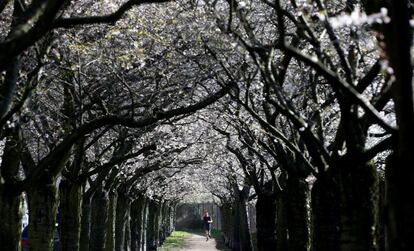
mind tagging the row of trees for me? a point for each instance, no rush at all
(84, 123)
(314, 119)
(314, 125)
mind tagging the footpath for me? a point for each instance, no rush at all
(197, 242)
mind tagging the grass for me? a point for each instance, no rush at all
(174, 241)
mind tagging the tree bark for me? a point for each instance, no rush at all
(110, 225)
(42, 216)
(226, 223)
(10, 200)
(358, 206)
(298, 217)
(266, 221)
(127, 241)
(151, 227)
(381, 217)
(162, 225)
(144, 227)
(85, 223)
(281, 222)
(400, 174)
(122, 215)
(11, 216)
(137, 213)
(69, 213)
(325, 215)
(242, 238)
(157, 223)
(99, 217)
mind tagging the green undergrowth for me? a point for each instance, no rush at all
(174, 241)
(216, 234)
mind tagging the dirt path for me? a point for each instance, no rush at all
(198, 242)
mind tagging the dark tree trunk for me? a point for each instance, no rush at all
(266, 221)
(70, 198)
(358, 206)
(122, 216)
(10, 200)
(85, 223)
(325, 215)
(281, 222)
(127, 241)
(298, 217)
(400, 174)
(137, 211)
(110, 225)
(381, 217)
(157, 223)
(151, 226)
(10, 215)
(135, 228)
(242, 240)
(144, 226)
(42, 216)
(162, 223)
(245, 237)
(226, 223)
(235, 240)
(99, 217)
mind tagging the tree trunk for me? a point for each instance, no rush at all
(137, 211)
(381, 217)
(162, 215)
(358, 208)
(266, 221)
(157, 223)
(151, 228)
(400, 174)
(42, 216)
(144, 226)
(99, 216)
(85, 223)
(281, 222)
(122, 215)
(298, 217)
(241, 226)
(235, 240)
(325, 215)
(10, 200)
(69, 214)
(170, 221)
(226, 223)
(127, 241)
(110, 225)
(172, 218)
(11, 216)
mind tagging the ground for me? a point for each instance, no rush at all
(198, 242)
(195, 242)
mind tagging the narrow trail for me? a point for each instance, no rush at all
(197, 242)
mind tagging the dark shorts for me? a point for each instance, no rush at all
(207, 226)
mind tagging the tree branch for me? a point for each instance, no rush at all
(105, 19)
